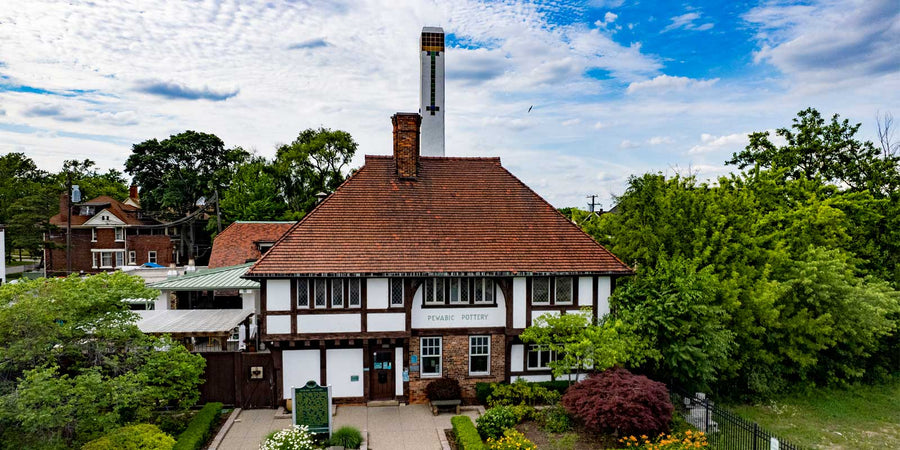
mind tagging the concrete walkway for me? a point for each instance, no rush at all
(404, 427)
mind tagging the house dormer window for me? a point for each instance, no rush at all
(86, 211)
(263, 247)
(120, 234)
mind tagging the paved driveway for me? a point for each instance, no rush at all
(404, 427)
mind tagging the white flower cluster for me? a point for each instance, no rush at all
(293, 438)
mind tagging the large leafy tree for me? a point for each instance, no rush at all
(315, 162)
(175, 173)
(74, 364)
(253, 194)
(816, 148)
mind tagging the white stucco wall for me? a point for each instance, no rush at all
(458, 317)
(519, 303)
(398, 371)
(585, 291)
(343, 364)
(604, 286)
(278, 295)
(533, 378)
(278, 324)
(331, 323)
(377, 293)
(386, 322)
(298, 367)
(517, 358)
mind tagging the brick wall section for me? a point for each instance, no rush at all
(106, 239)
(456, 365)
(406, 143)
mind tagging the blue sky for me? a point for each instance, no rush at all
(617, 87)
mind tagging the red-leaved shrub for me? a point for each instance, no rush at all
(617, 401)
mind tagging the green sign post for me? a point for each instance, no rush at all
(312, 407)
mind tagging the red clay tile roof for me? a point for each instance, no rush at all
(462, 215)
(236, 244)
(125, 213)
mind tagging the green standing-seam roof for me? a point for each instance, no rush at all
(218, 279)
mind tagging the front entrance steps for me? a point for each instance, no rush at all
(383, 403)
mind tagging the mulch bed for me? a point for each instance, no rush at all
(451, 438)
(586, 440)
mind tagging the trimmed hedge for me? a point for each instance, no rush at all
(483, 390)
(199, 429)
(144, 436)
(467, 437)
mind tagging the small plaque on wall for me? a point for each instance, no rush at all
(414, 359)
(354, 378)
(256, 373)
(414, 368)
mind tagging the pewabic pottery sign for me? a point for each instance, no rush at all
(458, 318)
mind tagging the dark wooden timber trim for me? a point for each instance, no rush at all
(531, 372)
(410, 286)
(405, 365)
(458, 331)
(280, 313)
(527, 302)
(307, 337)
(262, 307)
(363, 303)
(367, 363)
(323, 364)
(353, 310)
(293, 287)
(555, 308)
(575, 283)
(279, 380)
(596, 298)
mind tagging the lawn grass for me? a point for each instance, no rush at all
(859, 417)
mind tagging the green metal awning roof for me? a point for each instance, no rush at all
(218, 279)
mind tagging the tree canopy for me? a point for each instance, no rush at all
(313, 163)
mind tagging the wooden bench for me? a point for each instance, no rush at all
(437, 404)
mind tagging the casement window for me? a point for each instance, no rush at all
(333, 293)
(539, 357)
(151, 256)
(553, 290)
(396, 292)
(459, 291)
(430, 347)
(93, 235)
(132, 257)
(337, 293)
(120, 234)
(479, 355)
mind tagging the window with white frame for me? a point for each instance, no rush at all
(396, 292)
(106, 259)
(337, 293)
(120, 259)
(315, 292)
(539, 357)
(303, 293)
(430, 347)
(132, 257)
(540, 290)
(120, 234)
(563, 290)
(479, 355)
(151, 256)
(354, 292)
(93, 235)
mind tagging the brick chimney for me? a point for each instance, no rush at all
(133, 192)
(406, 144)
(64, 205)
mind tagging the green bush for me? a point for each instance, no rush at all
(495, 421)
(483, 390)
(554, 419)
(467, 437)
(523, 412)
(556, 385)
(347, 437)
(135, 437)
(522, 392)
(199, 429)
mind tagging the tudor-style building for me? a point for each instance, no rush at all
(418, 268)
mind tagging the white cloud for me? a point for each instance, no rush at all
(666, 83)
(626, 144)
(729, 143)
(829, 40)
(687, 21)
(571, 122)
(659, 140)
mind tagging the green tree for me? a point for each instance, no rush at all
(815, 148)
(253, 194)
(178, 171)
(74, 364)
(313, 163)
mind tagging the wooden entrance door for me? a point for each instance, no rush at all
(381, 384)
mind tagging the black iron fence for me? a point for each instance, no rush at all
(725, 430)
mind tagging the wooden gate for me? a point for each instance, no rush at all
(245, 380)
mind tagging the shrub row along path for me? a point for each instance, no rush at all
(404, 427)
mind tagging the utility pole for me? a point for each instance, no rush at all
(593, 203)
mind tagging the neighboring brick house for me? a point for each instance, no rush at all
(245, 241)
(106, 235)
(417, 268)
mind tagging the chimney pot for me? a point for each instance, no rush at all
(406, 144)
